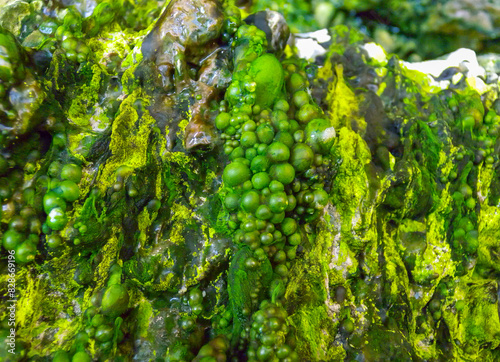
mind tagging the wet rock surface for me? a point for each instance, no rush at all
(184, 36)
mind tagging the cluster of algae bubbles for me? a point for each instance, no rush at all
(278, 141)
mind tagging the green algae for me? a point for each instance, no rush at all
(379, 257)
(78, 111)
(342, 102)
(349, 200)
(128, 142)
(424, 252)
(308, 293)
(241, 284)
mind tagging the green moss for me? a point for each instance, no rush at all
(144, 221)
(37, 301)
(109, 254)
(488, 221)
(476, 324)
(241, 284)
(315, 333)
(182, 218)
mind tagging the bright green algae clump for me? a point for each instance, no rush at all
(346, 212)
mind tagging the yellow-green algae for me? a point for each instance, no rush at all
(343, 104)
(308, 291)
(468, 328)
(349, 200)
(129, 141)
(77, 112)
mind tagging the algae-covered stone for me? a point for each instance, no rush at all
(13, 13)
(288, 239)
(27, 99)
(274, 25)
